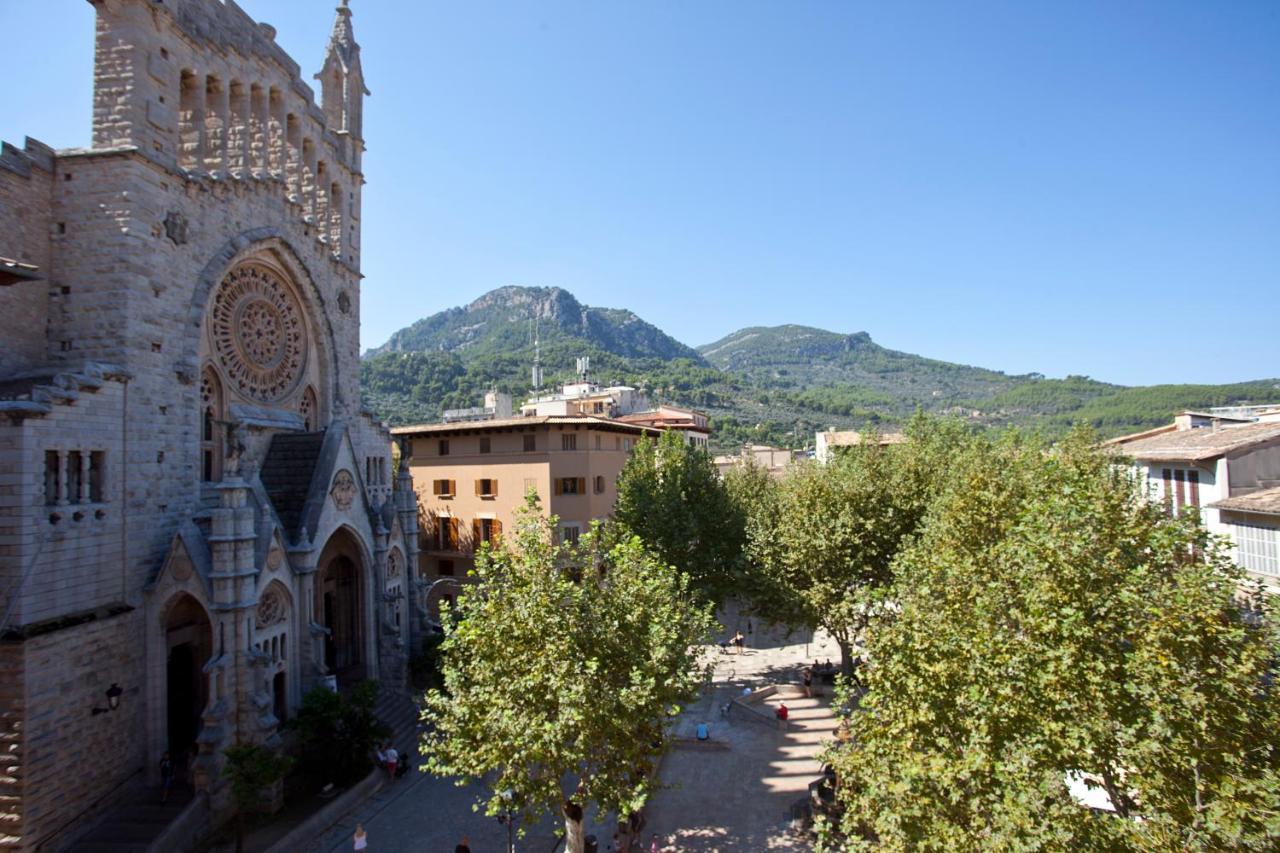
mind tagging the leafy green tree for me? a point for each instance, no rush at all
(252, 769)
(1053, 621)
(561, 666)
(670, 495)
(825, 541)
(339, 732)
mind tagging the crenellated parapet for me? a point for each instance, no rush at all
(201, 88)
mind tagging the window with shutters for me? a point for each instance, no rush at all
(571, 485)
(486, 530)
(1181, 489)
(447, 528)
(444, 488)
(530, 442)
(444, 447)
(570, 534)
(568, 441)
(484, 444)
(1257, 548)
(530, 485)
(487, 488)
(599, 484)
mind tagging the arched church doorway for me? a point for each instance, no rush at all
(340, 608)
(188, 644)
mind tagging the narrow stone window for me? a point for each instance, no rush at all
(335, 218)
(309, 410)
(74, 479)
(51, 477)
(210, 429)
(215, 124)
(190, 120)
(97, 476)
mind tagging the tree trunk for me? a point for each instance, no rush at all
(573, 837)
(846, 657)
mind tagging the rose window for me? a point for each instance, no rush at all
(258, 333)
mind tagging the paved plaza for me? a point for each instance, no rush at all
(735, 794)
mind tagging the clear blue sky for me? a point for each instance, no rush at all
(1084, 187)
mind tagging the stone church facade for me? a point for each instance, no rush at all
(198, 523)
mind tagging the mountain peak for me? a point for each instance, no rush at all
(502, 321)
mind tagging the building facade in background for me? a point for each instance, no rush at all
(1223, 465)
(197, 521)
(471, 478)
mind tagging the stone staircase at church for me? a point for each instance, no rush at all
(397, 710)
(132, 827)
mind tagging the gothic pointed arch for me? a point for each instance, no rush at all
(276, 641)
(309, 408)
(260, 361)
(212, 402)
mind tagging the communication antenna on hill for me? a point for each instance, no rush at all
(537, 358)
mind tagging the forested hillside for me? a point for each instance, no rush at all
(772, 385)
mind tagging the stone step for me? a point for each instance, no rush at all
(134, 825)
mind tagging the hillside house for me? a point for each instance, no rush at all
(1202, 460)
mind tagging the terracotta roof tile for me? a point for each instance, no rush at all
(1266, 501)
(1199, 444)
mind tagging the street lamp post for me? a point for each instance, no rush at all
(506, 798)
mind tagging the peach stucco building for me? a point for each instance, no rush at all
(472, 477)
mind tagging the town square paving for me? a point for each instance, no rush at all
(735, 795)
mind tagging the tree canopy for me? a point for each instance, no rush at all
(670, 495)
(823, 540)
(560, 668)
(1053, 625)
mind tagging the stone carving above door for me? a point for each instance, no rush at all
(344, 490)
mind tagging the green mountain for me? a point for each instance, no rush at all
(800, 357)
(505, 320)
(766, 384)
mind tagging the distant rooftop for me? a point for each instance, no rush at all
(518, 422)
(1196, 445)
(1266, 502)
(849, 438)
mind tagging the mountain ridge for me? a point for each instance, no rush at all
(770, 384)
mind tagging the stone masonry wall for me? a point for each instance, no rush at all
(75, 542)
(142, 301)
(69, 762)
(26, 179)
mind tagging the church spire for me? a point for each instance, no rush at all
(342, 79)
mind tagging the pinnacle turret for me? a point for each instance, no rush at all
(341, 78)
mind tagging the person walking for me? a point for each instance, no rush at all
(393, 758)
(360, 841)
(166, 776)
(808, 682)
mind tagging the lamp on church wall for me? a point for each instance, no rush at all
(114, 692)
